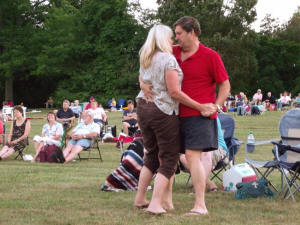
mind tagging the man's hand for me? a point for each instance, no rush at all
(147, 90)
(208, 109)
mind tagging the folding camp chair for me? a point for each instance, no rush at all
(289, 128)
(21, 150)
(232, 143)
(288, 158)
(94, 145)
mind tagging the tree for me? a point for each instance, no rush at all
(225, 28)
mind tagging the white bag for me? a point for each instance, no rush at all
(27, 157)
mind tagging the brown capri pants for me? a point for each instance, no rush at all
(161, 138)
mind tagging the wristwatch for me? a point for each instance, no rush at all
(219, 108)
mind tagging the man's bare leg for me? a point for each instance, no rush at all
(125, 127)
(198, 178)
(74, 151)
(144, 181)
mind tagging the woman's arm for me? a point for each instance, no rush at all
(10, 132)
(172, 82)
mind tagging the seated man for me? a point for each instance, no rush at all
(211, 159)
(99, 115)
(76, 108)
(81, 136)
(129, 118)
(297, 101)
(269, 100)
(65, 115)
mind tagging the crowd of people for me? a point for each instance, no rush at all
(60, 128)
(259, 103)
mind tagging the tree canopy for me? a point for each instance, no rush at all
(77, 48)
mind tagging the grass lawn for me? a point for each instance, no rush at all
(44, 193)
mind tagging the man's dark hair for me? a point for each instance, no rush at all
(189, 23)
(130, 102)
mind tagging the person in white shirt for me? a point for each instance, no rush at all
(99, 115)
(51, 135)
(81, 136)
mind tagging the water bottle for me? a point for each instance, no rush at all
(109, 130)
(251, 140)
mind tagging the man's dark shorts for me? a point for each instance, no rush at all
(132, 122)
(198, 133)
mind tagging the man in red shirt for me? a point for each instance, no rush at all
(203, 69)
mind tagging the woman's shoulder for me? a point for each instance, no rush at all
(165, 55)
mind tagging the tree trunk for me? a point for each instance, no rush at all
(9, 89)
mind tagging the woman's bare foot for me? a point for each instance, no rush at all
(168, 206)
(141, 204)
(155, 209)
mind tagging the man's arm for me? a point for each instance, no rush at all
(224, 90)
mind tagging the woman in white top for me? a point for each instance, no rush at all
(51, 135)
(99, 115)
(158, 118)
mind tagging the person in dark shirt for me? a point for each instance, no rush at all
(268, 100)
(65, 115)
(129, 117)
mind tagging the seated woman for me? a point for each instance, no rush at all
(51, 135)
(99, 115)
(211, 159)
(242, 104)
(18, 134)
(81, 136)
(126, 176)
(284, 99)
(113, 105)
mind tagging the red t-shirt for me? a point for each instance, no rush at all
(201, 72)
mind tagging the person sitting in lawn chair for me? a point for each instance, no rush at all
(65, 115)
(130, 123)
(18, 134)
(210, 159)
(99, 115)
(51, 135)
(81, 137)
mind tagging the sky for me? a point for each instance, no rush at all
(279, 9)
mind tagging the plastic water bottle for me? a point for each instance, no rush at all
(251, 140)
(109, 130)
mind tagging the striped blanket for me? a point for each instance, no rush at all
(126, 176)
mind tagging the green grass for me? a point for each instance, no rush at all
(42, 193)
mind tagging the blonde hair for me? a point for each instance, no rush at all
(157, 40)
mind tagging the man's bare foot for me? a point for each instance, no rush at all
(199, 211)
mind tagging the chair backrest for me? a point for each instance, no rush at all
(289, 127)
(228, 126)
(109, 103)
(120, 102)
